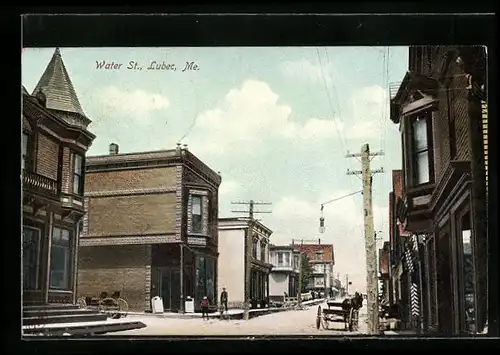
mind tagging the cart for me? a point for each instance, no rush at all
(346, 312)
(115, 306)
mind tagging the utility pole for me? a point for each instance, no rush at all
(299, 292)
(370, 242)
(248, 248)
(347, 284)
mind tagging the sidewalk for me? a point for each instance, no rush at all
(232, 313)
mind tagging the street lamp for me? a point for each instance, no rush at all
(319, 254)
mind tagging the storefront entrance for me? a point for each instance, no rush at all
(168, 284)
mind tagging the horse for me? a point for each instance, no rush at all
(355, 303)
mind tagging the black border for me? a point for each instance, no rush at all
(257, 30)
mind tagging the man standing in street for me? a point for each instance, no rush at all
(223, 299)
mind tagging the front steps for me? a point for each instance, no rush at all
(69, 319)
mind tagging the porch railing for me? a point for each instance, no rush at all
(36, 181)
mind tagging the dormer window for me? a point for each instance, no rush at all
(78, 169)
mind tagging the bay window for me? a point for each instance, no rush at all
(287, 259)
(25, 151)
(421, 150)
(30, 251)
(60, 259)
(78, 169)
(196, 214)
(280, 259)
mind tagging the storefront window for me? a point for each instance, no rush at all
(210, 276)
(468, 275)
(200, 277)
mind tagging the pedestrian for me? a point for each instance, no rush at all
(204, 307)
(223, 299)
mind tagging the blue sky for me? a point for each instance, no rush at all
(275, 121)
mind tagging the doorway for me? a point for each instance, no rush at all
(168, 284)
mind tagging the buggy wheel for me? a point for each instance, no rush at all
(111, 306)
(81, 303)
(324, 323)
(318, 317)
(122, 307)
(350, 319)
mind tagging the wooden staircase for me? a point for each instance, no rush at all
(69, 319)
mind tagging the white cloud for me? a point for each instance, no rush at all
(369, 111)
(303, 69)
(247, 117)
(130, 104)
(228, 187)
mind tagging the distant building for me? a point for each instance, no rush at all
(233, 233)
(322, 264)
(150, 228)
(384, 273)
(54, 140)
(285, 272)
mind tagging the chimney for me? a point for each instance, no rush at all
(113, 149)
(185, 147)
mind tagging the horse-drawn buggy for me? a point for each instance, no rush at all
(346, 312)
(115, 306)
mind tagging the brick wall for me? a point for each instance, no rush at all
(126, 269)
(127, 215)
(130, 179)
(48, 157)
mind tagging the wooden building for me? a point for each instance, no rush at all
(150, 228)
(54, 142)
(284, 276)
(439, 111)
(233, 235)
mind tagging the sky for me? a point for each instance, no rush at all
(276, 122)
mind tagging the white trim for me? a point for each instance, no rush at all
(145, 191)
(109, 241)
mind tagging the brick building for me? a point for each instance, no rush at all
(150, 228)
(54, 142)
(321, 258)
(439, 110)
(384, 273)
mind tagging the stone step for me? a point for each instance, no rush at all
(64, 318)
(50, 306)
(83, 328)
(56, 312)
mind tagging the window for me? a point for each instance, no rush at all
(78, 174)
(421, 173)
(280, 259)
(263, 251)
(196, 214)
(254, 249)
(60, 259)
(31, 249)
(287, 259)
(25, 151)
